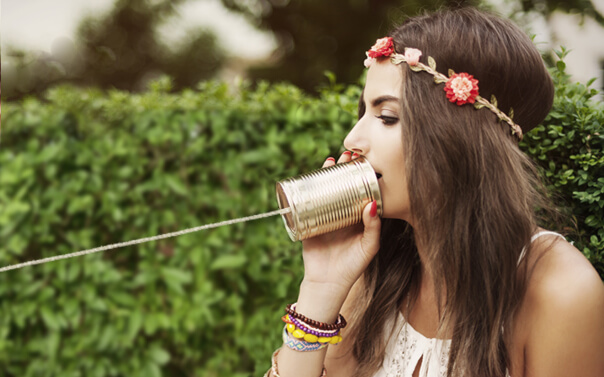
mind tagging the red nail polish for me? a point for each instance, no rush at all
(355, 155)
(347, 152)
(373, 210)
(331, 158)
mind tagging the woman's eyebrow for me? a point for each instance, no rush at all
(376, 102)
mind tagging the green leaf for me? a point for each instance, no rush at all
(177, 275)
(494, 101)
(591, 221)
(228, 261)
(432, 63)
(561, 65)
(159, 355)
(176, 185)
(50, 318)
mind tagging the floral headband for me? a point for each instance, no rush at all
(461, 88)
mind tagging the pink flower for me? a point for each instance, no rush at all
(412, 55)
(462, 88)
(382, 47)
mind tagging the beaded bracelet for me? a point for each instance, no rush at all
(308, 329)
(310, 338)
(273, 371)
(340, 323)
(301, 345)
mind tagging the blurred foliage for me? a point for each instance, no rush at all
(316, 35)
(120, 49)
(583, 7)
(569, 148)
(85, 168)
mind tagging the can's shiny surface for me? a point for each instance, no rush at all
(328, 199)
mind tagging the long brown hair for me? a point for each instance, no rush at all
(473, 192)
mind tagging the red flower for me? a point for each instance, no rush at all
(462, 88)
(382, 47)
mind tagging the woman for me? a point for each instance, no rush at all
(457, 278)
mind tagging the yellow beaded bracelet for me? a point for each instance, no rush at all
(310, 338)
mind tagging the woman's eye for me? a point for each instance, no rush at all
(388, 120)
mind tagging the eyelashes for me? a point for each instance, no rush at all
(387, 120)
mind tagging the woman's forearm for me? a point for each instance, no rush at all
(321, 303)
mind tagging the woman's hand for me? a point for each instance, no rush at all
(336, 260)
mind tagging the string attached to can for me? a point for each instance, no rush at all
(312, 204)
(142, 240)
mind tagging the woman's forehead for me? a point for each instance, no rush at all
(383, 79)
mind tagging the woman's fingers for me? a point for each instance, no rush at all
(329, 162)
(371, 235)
(345, 157)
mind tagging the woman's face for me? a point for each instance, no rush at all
(378, 136)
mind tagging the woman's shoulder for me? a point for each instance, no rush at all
(563, 311)
(559, 274)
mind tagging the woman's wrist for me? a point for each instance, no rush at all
(321, 301)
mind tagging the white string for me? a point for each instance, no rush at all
(141, 240)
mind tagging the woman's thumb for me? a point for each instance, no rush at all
(371, 234)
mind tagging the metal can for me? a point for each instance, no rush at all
(328, 199)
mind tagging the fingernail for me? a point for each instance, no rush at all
(331, 158)
(355, 155)
(373, 210)
(347, 152)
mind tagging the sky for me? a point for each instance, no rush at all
(35, 24)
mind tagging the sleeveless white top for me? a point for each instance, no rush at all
(407, 346)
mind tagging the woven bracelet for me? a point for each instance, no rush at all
(300, 345)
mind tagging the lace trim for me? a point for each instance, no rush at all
(409, 346)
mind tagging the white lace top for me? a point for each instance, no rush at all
(407, 346)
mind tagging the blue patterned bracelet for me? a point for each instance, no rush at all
(300, 345)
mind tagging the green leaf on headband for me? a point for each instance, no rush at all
(416, 68)
(396, 59)
(439, 80)
(493, 100)
(511, 113)
(451, 72)
(478, 105)
(432, 63)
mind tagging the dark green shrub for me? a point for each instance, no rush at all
(82, 168)
(569, 148)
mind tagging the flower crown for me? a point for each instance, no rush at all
(461, 88)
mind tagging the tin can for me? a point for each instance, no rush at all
(328, 199)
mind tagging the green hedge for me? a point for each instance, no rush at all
(569, 148)
(82, 168)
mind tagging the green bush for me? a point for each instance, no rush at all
(569, 149)
(82, 168)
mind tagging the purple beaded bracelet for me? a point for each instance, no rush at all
(304, 328)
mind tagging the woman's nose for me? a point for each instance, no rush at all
(355, 141)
